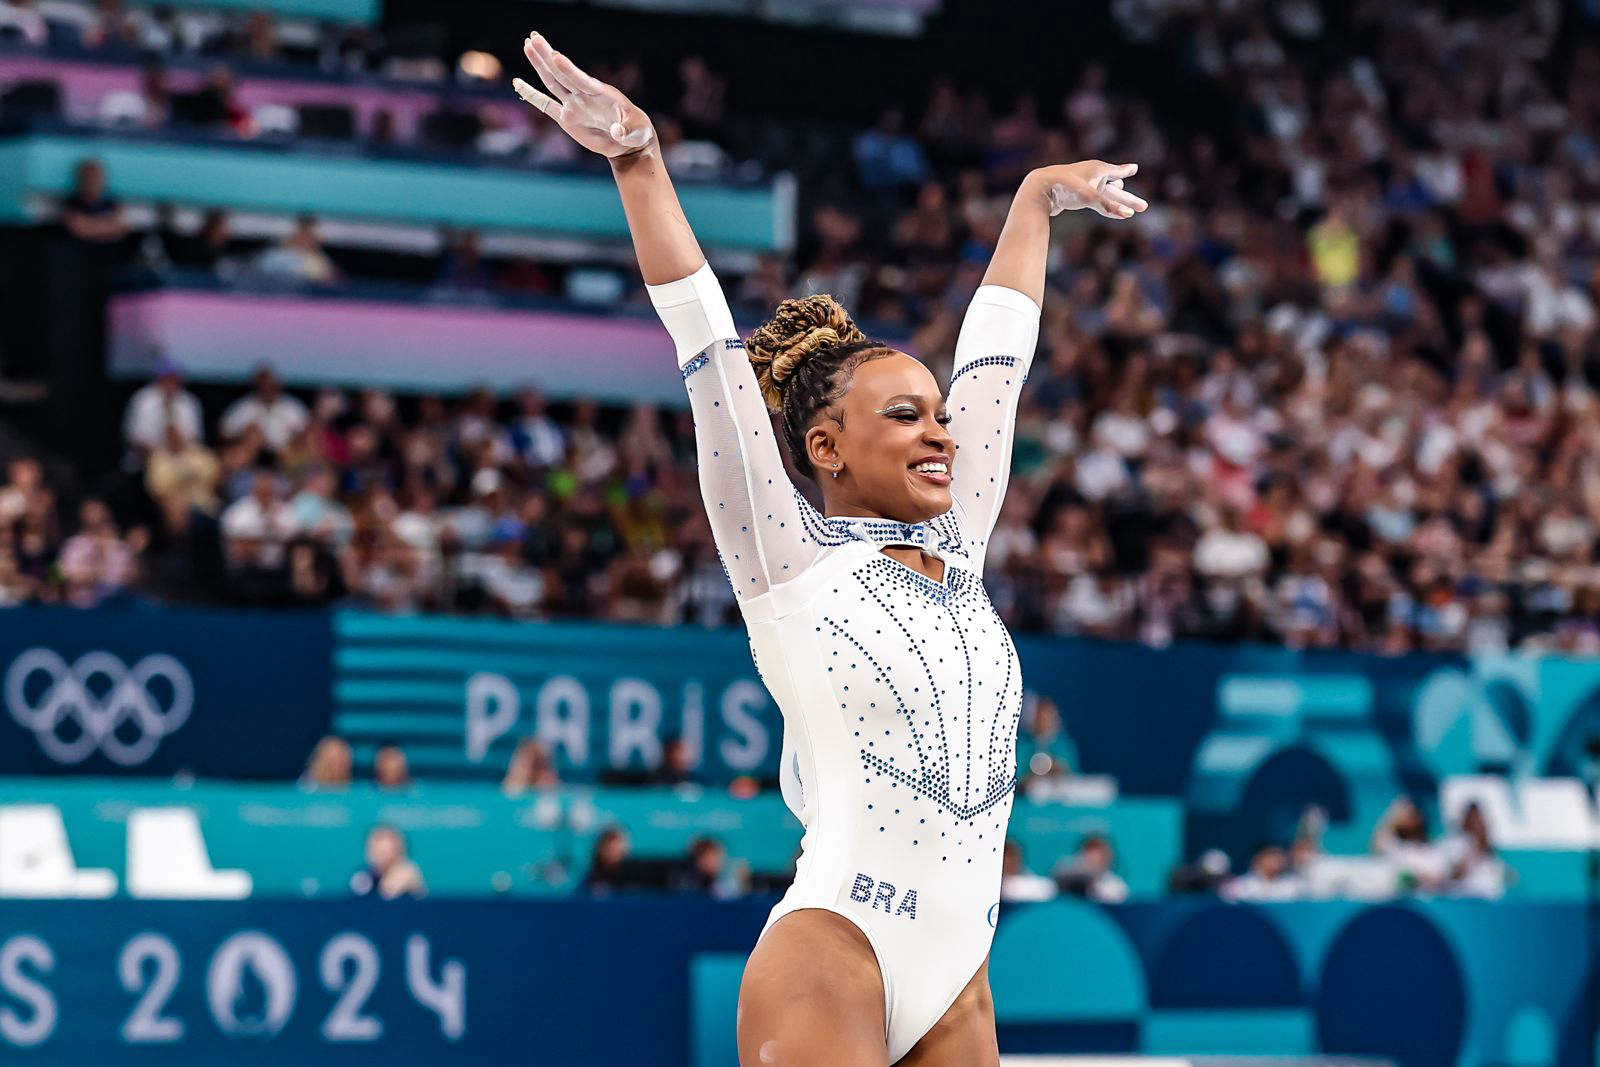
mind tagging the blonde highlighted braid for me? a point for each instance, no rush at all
(803, 358)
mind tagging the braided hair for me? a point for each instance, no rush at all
(804, 358)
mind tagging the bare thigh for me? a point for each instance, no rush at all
(812, 996)
(965, 1036)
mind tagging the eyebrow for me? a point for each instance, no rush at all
(912, 397)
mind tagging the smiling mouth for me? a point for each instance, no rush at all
(933, 476)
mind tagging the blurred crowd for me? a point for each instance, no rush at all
(1404, 858)
(192, 63)
(1336, 388)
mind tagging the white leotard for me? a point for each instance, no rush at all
(900, 695)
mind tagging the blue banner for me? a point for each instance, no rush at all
(655, 980)
(1246, 736)
(463, 692)
(222, 694)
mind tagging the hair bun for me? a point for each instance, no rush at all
(799, 328)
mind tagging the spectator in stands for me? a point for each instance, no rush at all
(24, 493)
(606, 860)
(298, 259)
(700, 107)
(1402, 838)
(530, 768)
(151, 108)
(314, 576)
(1473, 867)
(318, 513)
(534, 437)
(96, 563)
(889, 158)
(184, 470)
(209, 250)
(1090, 874)
(390, 769)
(161, 404)
(390, 872)
(89, 212)
(1206, 873)
(214, 106)
(461, 267)
(1269, 878)
(1044, 750)
(1019, 885)
(509, 585)
(21, 20)
(706, 870)
(675, 767)
(330, 765)
(258, 526)
(279, 416)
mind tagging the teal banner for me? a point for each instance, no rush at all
(356, 11)
(469, 839)
(289, 181)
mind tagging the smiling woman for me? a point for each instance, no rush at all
(899, 686)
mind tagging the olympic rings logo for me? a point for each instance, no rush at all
(113, 708)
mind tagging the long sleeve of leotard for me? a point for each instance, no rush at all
(757, 517)
(993, 354)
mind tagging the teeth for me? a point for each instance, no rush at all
(932, 468)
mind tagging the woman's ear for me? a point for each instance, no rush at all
(822, 447)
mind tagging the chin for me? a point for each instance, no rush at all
(929, 503)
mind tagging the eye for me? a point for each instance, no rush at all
(943, 420)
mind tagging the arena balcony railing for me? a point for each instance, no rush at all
(389, 187)
(392, 334)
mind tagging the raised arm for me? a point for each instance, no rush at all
(755, 511)
(1001, 329)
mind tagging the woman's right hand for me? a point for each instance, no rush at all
(594, 114)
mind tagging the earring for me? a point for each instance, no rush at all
(836, 472)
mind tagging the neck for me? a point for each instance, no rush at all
(840, 509)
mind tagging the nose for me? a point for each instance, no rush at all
(938, 438)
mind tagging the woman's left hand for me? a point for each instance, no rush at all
(1092, 183)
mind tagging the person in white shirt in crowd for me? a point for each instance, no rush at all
(513, 588)
(1228, 550)
(1473, 867)
(280, 416)
(1269, 878)
(1089, 873)
(535, 437)
(1019, 885)
(1402, 838)
(258, 525)
(158, 405)
(21, 20)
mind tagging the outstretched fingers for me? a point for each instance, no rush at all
(574, 76)
(541, 55)
(1118, 197)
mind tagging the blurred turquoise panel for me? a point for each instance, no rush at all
(362, 11)
(1530, 1039)
(713, 1006)
(262, 178)
(1064, 961)
(1282, 1032)
(1547, 875)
